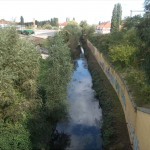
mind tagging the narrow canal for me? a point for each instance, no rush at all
(82, 128)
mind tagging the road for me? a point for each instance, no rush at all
(45, 33)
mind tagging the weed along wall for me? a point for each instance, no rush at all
(137, 118)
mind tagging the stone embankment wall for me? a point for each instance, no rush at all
(137, 118)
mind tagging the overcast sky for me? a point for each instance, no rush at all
(91, 10)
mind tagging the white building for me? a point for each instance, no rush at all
(104, 28)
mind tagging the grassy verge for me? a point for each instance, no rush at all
(114, 129)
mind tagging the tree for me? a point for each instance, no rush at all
(67, 19)
(54, 22)
(119, 15)
(19, 67)
(55, 75)
(87, 30)
(131, 22)
(147, 5)
(116, 18)
(74, 33)
(147, 8)
(21, 20)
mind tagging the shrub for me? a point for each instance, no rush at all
(138, 82)
(122, 54)
(47, 26)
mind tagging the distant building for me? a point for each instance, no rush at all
(62, 25)
(103, 28)
(4, 23)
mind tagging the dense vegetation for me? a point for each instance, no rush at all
(128, 50)
(32, 91)
(72, 33)
(19, 67)
(113, 116)
(51, 22)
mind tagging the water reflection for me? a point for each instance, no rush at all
(85, 115)
(59, 141)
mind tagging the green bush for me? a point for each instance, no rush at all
(47, 26)
(55, 28)
(14, 137)
(55, 75)
(73, 31)
(122, 54)
(138, 81)
(19, 68)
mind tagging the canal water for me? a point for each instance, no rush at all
(82, 130)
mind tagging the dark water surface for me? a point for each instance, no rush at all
(82, 130)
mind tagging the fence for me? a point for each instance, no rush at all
(137, 118)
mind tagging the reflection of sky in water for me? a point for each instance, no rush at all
(85, 114)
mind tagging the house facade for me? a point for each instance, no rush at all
(104, 28)
(4, 23)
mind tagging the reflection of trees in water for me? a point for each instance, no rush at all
(59, 141)
(43, 133)
(76, 64)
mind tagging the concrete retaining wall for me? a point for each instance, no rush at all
(138, 119)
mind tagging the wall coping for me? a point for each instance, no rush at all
(145, 110)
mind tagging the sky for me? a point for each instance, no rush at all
(92, 11)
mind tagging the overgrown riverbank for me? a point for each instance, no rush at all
(33, 91)
(114, 129)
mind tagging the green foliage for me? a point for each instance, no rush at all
(116, 18)
(19, 68)
(47, 26)
(21, 20)
(73, 33)
(55, 76)
(139, 84)
(54, 22)
(21, 108)
(101, 42)
(58, 73)
(131, 22)
(147, 5)
(87, 30)
(130, 48)
(144, 34)
(14, 137)
(131, 37)
(122, 54)
(55, 73)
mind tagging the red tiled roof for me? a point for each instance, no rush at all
(63, 24)
(104, 25)
(2, 21)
